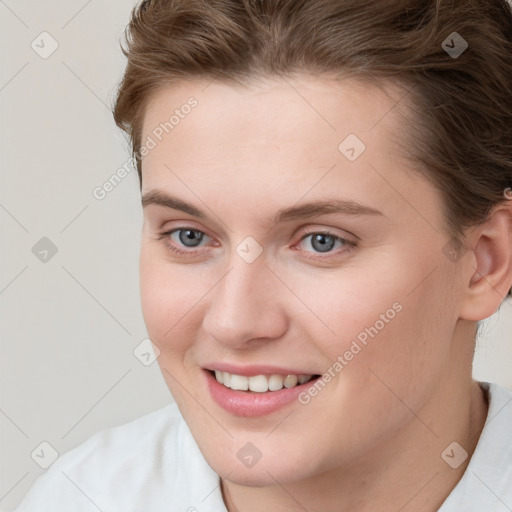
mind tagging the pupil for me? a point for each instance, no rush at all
(323, 243)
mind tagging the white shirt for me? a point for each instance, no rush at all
(153, 464)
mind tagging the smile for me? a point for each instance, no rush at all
(262, 392)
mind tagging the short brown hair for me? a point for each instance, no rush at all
(461, 135)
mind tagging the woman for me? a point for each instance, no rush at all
(327, 205)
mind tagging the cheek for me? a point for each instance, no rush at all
(346, 306)
(169, 296)
(389, 339)
(169, 299)
(156, 298)
(405, 360)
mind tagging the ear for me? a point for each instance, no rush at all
(489, 269)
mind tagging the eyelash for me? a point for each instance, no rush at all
(348, 244)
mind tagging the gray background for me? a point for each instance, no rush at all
(70, 323)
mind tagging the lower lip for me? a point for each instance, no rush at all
(251, 403)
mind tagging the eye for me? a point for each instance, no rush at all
(184, 240)
(189, 237)
(324, 242)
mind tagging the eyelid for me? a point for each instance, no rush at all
(183, 224)
(346, 235)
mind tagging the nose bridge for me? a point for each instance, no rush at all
(243, 305)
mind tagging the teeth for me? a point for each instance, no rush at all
(260, 383)
(239, 382)
(275, 383)
(290, 381)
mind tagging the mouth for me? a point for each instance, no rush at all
(258, 394)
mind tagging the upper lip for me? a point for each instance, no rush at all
(255, 369)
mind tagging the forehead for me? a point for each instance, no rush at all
(301, 121)
(291, 109)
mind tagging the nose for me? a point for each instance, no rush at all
(244, 308)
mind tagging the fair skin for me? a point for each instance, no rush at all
(372, 438)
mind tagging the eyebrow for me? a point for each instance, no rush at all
(306, 210)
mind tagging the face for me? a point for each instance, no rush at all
(277, 248)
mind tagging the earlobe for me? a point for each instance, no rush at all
(490, 268)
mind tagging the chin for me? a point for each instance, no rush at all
(276, 465)
(260, 475)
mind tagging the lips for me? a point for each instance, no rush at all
(259, 402)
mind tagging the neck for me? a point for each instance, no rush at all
(407, 473)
